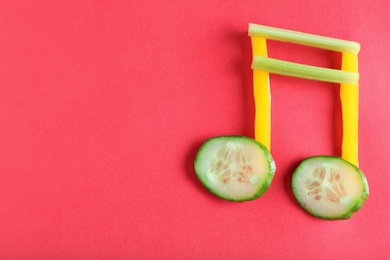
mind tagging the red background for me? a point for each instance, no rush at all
(103, 105)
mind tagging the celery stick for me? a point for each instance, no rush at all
(304, 71)
(303, 38)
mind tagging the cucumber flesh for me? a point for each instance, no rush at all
(329, 187)
(235, 168)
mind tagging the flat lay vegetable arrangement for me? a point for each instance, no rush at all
(238, 168)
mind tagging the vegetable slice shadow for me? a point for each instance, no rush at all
(337, 121)
(241, 61)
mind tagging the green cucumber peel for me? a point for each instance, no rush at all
(329, 187)
(234, 168)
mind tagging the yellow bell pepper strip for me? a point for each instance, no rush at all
(349, 95)
(262, 96)
(304, 71)
(307, 39)
(348, 78)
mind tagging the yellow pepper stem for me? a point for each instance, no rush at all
(262, 96)
(349, 95)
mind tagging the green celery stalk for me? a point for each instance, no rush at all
(303, 38)
(304, 71)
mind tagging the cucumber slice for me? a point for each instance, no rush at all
(235, 168)
(329, 187)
